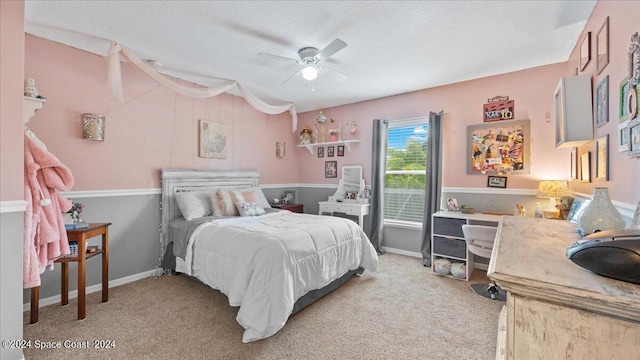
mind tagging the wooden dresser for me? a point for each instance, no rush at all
(556, 309)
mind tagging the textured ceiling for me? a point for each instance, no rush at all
(393, 46)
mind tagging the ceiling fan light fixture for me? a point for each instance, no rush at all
(310, 72)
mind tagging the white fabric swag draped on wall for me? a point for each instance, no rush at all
(115, 84)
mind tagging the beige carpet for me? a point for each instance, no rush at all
(401, 312)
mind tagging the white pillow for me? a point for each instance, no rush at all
(249, 209)
(194, 204)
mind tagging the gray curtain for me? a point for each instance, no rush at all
(378, 168)
(433, 182)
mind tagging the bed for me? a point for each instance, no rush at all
(269, 265)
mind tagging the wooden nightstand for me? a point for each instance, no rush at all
(80, 236)
(296, 208)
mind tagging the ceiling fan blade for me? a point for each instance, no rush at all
(335, 46)
(337, 75)
(276, 57)
(290, 77)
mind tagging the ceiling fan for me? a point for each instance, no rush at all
(310, 58)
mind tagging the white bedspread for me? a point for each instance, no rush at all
(265, 263)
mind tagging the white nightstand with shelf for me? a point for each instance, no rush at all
(447, 239)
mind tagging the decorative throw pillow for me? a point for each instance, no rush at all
(250, 196)
(223, 202)
(264, 203)
(194, 204)
(249, 208)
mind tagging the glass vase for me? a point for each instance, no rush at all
(600, 214)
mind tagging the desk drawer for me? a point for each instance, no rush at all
(449, 247)
(349, 210)
(325, 208)
(483, 223)
(448, 226)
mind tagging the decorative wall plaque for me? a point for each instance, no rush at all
(499, 108)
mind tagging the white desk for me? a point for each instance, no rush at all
(349, 208)
(447, 239)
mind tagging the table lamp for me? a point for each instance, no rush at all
(552, 189)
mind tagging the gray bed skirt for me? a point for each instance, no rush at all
(315, 295)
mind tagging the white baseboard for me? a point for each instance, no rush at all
(402, 252)
(95, 288)
(418, 255)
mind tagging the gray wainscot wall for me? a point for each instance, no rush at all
(11, 225)
(135, 242)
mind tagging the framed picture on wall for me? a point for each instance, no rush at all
(602, 102)
(585, 51)
(497, 182)
(501, 146)
(634, 138)
(574, 163)
(330, 151)
(320, 151)
(213, 140)
(602, 47)
(340, 150)
(279, 149)
(623, 136)
(623, 112)
(602, 158)
(585, 167)
(330, 169)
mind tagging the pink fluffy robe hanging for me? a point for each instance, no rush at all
(45, 237)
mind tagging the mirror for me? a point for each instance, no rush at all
(352, 181)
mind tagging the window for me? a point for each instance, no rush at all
(406, 170)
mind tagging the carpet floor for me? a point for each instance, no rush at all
(401, 312)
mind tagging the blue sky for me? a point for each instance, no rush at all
(398, 136)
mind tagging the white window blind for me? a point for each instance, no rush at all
(406, 170)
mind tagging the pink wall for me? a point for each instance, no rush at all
(154, 127)
(11, 90)
(624, 20)
(532, 91)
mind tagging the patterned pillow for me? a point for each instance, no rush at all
(249, 209)
(222, 202)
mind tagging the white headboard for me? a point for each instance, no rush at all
(178, 180)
